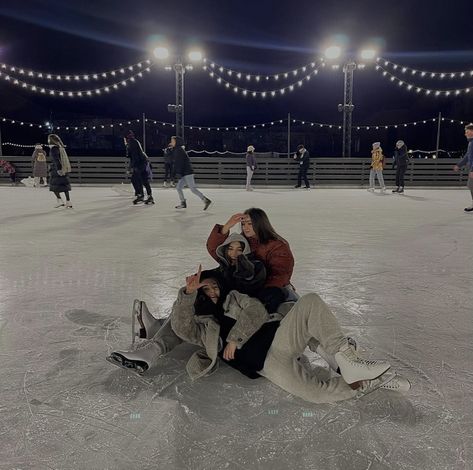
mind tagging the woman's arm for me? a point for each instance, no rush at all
(183, 320)
(220, 233)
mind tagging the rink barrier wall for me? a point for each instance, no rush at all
(273, 171)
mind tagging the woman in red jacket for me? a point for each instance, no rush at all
(267, 246)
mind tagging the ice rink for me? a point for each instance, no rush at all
(397, 271)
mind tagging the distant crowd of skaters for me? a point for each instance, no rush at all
(178, 172)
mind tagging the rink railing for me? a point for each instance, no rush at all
(271, 171)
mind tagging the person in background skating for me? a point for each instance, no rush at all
(250, 166)
(140, 168)
(400, 161)
(168, 168)
(183, 170)
(468, 161)
(303, 157)
(60, 168)
(377, 165)
(40, 167)
(10, 169)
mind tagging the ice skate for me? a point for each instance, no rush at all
(182, 205)
(173, 185)
(59, 203)
(329, 358)
(353, 368)
(468, 209)
(370, 190)
(165, 184)
(138, 199)
(401, 190)
(68, 205)
(140, 359)
(383, 190)
(397, 384)
(207, 203)
(369, 386)
(395, 190)
(148, 324)
(149, 200)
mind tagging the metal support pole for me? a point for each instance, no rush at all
(288, 135)
(180, 71)
(437, 148)
(144, 132)
(1, 151)
(348, 71)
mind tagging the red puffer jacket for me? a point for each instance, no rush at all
(275, 254)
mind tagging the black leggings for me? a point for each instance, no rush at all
(66, 193)
(139, 178)
(400, 171)
(303, 176)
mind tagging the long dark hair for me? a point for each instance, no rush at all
(262, 226)
(203, 305)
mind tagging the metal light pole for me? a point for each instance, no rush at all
(348, 106)
(180, 70)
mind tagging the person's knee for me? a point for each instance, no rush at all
(310, 299)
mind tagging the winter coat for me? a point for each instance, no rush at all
(168, 158)
(182, 164)
(138, 159)
(57, 183)
(204, 331)
(377, 159)
(40, 167)
(468, 157)
(251, 160)
(401, 157)
(303, 159)
(276, 256)
(249, 274)
(7, 167)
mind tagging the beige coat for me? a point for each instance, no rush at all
(204, 331)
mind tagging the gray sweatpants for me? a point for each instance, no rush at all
(165, 338)
(249, 175)
(310, 319)
(379, 174)
(188, 181)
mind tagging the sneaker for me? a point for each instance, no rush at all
(150, 200)
(182, 205)
(142, 358)
(207, 203)
(353, 368)
(397, 384)
(59, 203)
(368, 386)
(138, 199)
(395, 190)
(468, 209)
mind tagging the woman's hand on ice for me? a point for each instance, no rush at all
(229, 352)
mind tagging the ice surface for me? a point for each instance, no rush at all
(397, 271)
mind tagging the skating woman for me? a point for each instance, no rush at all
(40, 167)
(250, 166)
(401, 159)
(60, 168)
(377, 165)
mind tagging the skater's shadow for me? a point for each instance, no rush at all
(415, 198)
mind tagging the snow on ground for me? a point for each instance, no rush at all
(397, 271)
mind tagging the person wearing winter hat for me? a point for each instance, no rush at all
(250, 166)
(40, 167)
(183, 170)
(303, 157)
(60, 168)
(400, 161)
(468, 161)
(377, 165)
(141, 169)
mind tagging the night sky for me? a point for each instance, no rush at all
(255, 37)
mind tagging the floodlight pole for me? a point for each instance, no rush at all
(180, 70)
(348, 106)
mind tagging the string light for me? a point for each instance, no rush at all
(74, 93)
(121, 71)
(418, 89)
(425, 73)
(212, 65)
(262, 93)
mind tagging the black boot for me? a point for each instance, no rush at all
(139, 198)
(150, 200)
(207, 203)
(182, 205)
